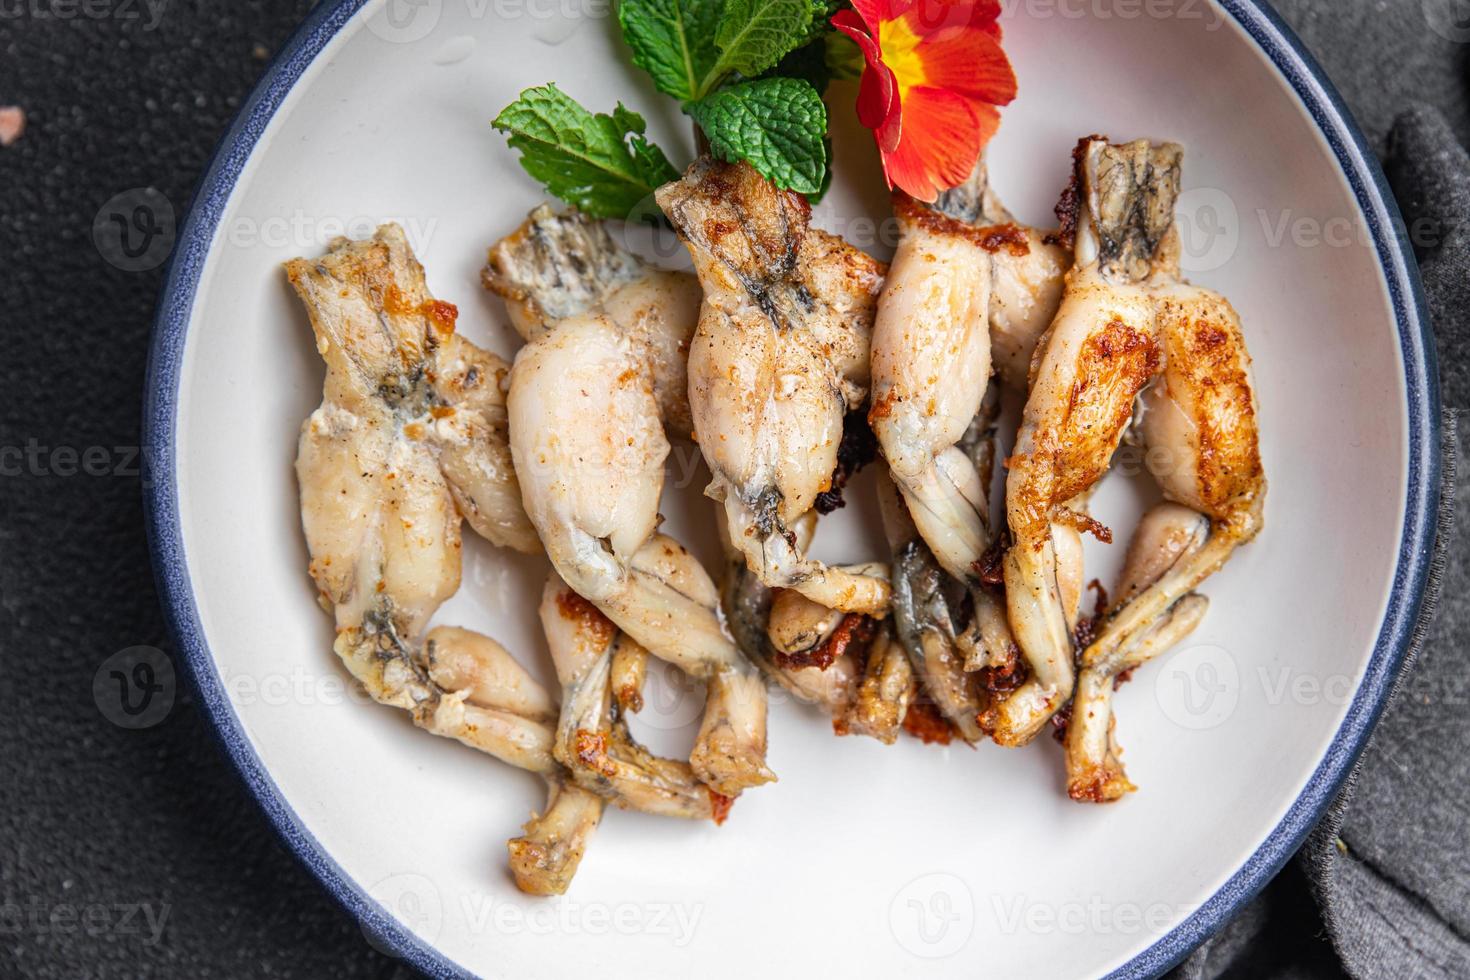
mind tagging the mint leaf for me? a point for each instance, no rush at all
(821, 22)
(672, 40)
(648, 160)
(810, 58)
(778, 125)
(651, 163)
(600, 164)
(826, 172)
(754, 35)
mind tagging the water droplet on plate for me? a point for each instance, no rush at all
(455, 50)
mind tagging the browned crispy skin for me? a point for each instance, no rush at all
(1102, 350)
(853, 634)
(1207, 358)
(1075, 450)
(883, 696)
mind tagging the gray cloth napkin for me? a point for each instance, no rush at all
(1382, 887)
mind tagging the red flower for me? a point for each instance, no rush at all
(935, 73)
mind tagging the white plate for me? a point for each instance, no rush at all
(863, 860)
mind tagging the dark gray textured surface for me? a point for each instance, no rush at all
(1410, 826)
(93, 816)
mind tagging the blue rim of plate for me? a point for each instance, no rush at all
(1385, 224)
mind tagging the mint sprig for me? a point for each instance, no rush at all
(674, 41)
(749, 72)
(777, 125)
(818, 25)
(601, 164)
(692, 47)
(755, 34)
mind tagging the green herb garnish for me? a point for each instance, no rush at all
(601, 164)
(674, 41)
(749, 73)
(777, 124)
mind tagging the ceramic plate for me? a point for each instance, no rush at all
(864, 860)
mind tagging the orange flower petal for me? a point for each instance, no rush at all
(877, 104)
(971, 63)
(939, 17)
(988, 119)
(939, 146)
(874, 12)
(934, 73)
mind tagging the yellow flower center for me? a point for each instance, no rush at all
(899, 44)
